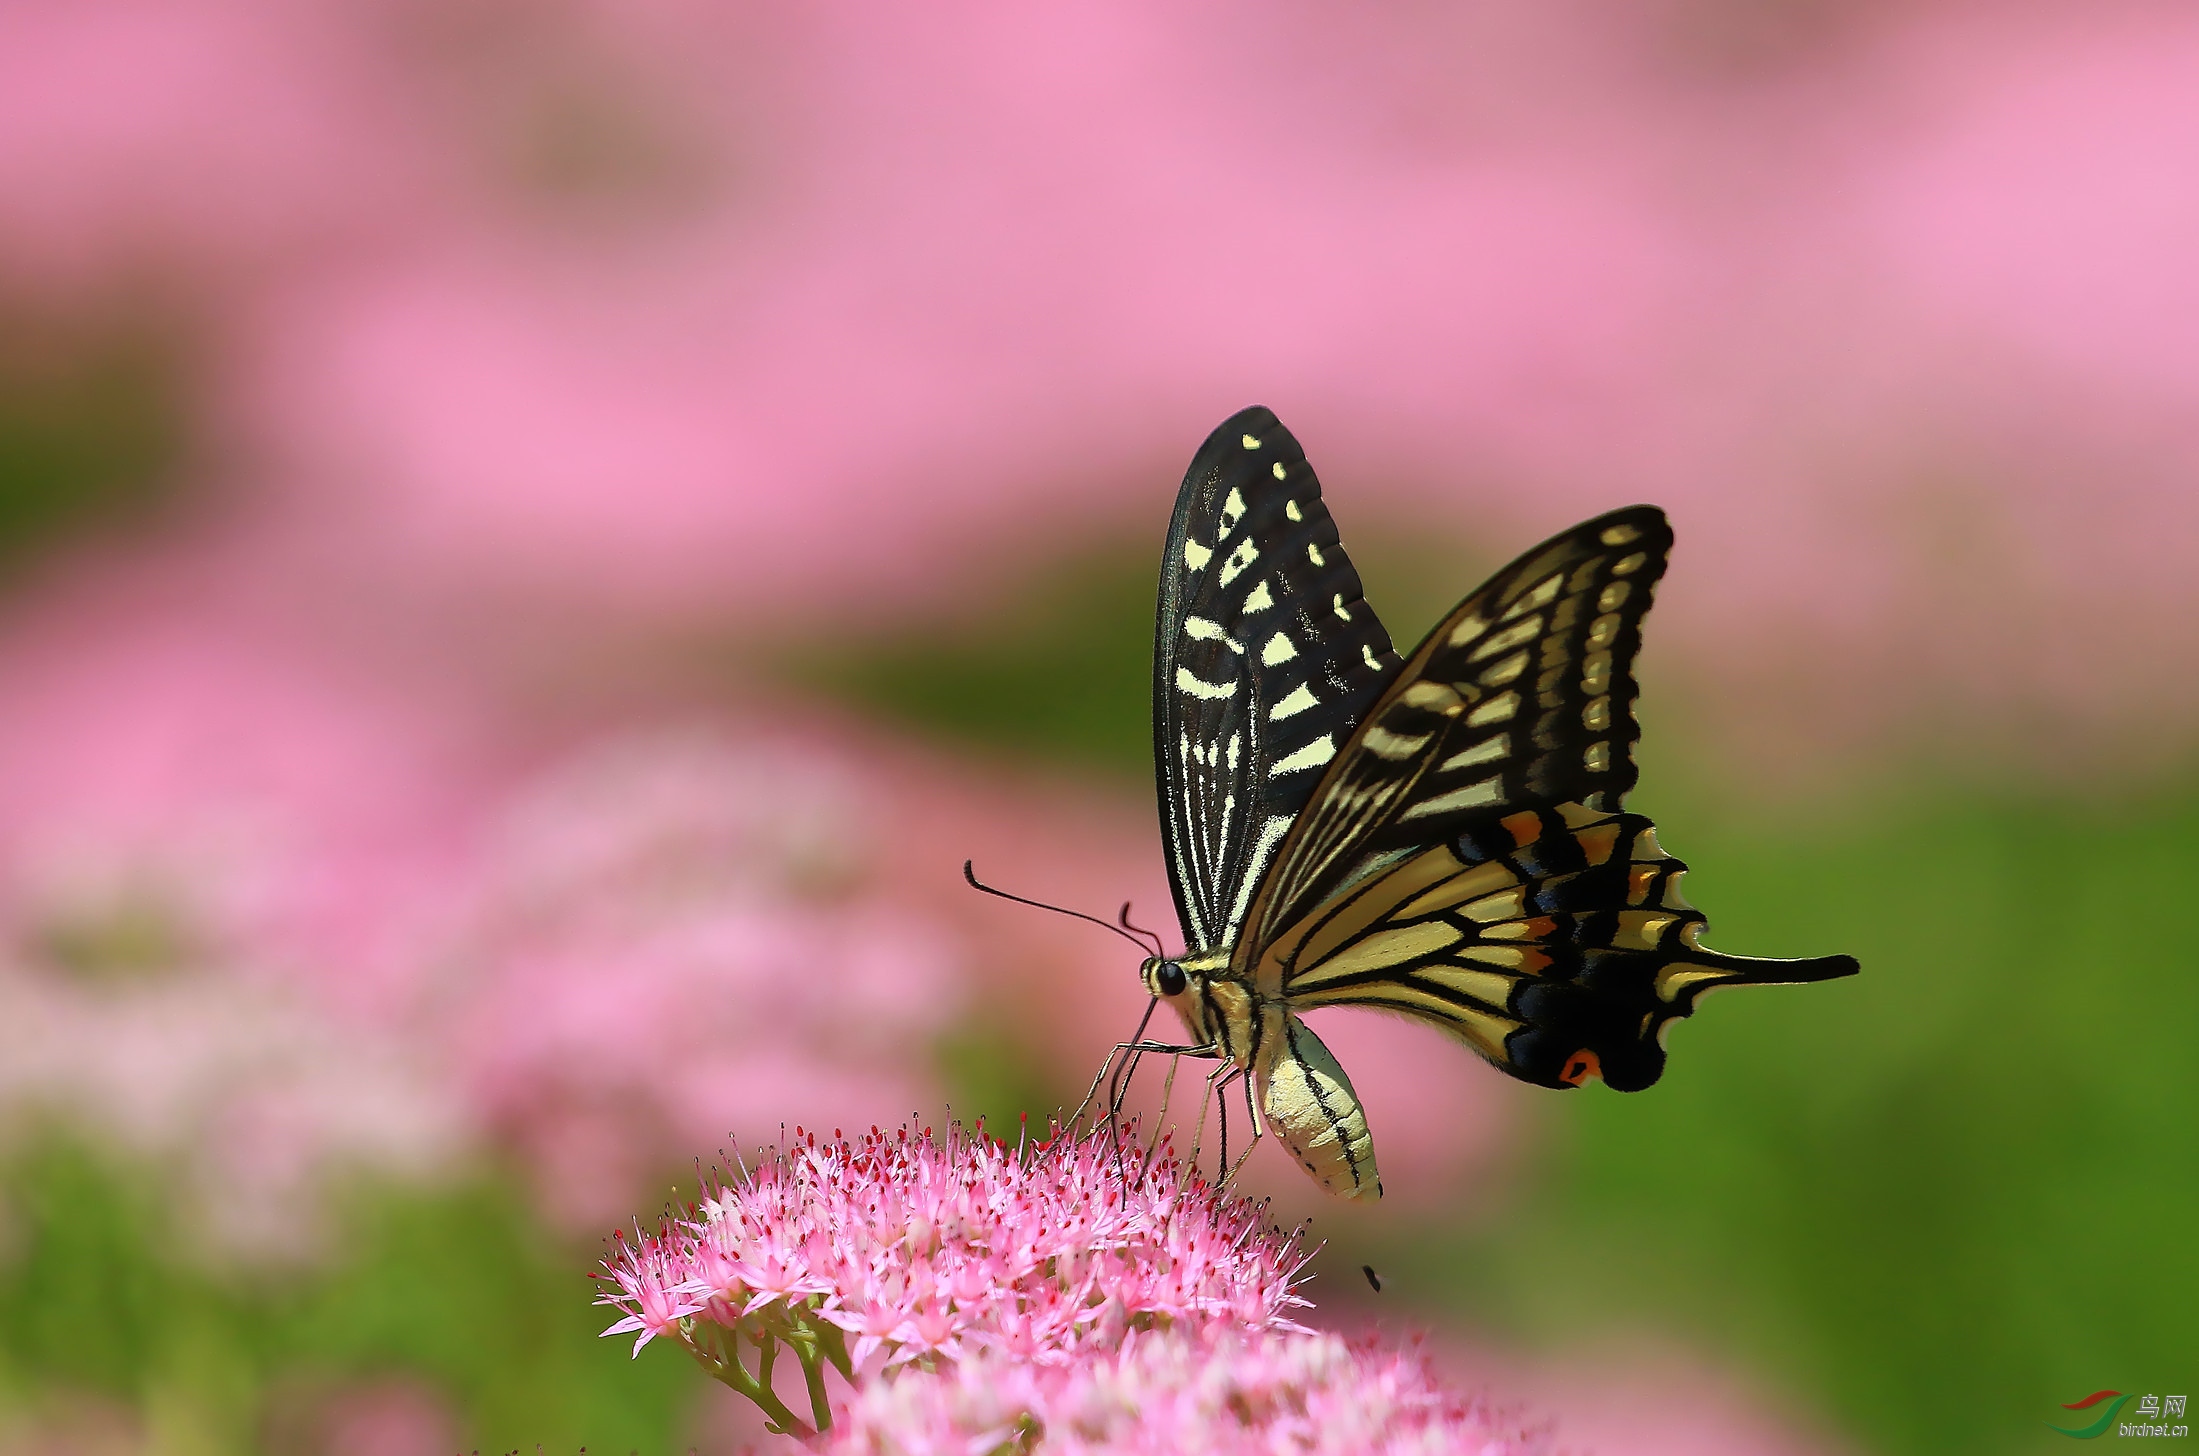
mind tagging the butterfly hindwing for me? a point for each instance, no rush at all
(1554, 941)
(1523, 696)
(1265, 656)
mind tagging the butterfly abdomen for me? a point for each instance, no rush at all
(1312, 1110)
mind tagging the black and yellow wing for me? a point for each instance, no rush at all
(1465, 858)
(1553, 941)
(1265, 654)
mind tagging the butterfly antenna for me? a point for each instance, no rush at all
(969, 873)
(1122, 917)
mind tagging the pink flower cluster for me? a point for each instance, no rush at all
(929, 1248)
(1075, 1292)
(1216, 1393)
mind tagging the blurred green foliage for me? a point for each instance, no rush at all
(1061, 670)
(91, 427)
(461, 1290)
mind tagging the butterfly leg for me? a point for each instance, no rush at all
(1126, 1072)
(1133, 1049)
(1125, 1057)
(1259, 1131)
(1217, 1078)
(1160, 1119)
(1137, 1043)
(1198, 1132)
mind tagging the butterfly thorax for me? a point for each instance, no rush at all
(1218, 1010)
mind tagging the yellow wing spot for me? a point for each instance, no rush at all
(1597, 842)
(1199, 629)
(1520, 631)
(1491, 908)
(1339, 607)
(1506, 670)
(1614, 596)
(1278, 471)
(1467, 630)
(1680, 977)
(1429, 697)
(1493, 987)
(1200, 688)
(1252, 442)
(1471, 885)
(1642, 929)
(1313, 755)
(1386, 948)
(1540, 927)
(1618, 535)
(1597, 715)
(1245, 554)
(1584, 1063)
(1640, 880)
(1597, 756)
(1604, 630)
(1196, 556)
(1496, 710)
(1541, 596)
(1512, 957)
(1258, 600)
(1367, 652)
(1627, 566)
(1646, 846)
(1596, 672)
(1488, 750)
(1481, 1030)
(1473, 796)
(1313, 553)
(1393, 746)
(1279, 649)
(1299, 699)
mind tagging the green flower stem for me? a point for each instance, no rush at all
(813, 1374)
(719, 1352)
(834, 1341)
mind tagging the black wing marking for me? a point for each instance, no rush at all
(1553, 941)
(1522, 697)
(1265, 655)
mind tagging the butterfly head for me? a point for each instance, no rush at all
(1165, 978)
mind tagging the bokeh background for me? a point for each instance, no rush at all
(536, 536)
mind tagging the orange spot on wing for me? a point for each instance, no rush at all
(1525, 827)
(1598, 842)
(1579, 1067)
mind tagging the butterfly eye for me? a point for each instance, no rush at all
(1170, 979)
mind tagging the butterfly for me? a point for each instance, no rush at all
(1440, 835)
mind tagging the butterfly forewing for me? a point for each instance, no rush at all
(1522, 696)
(1265, 655)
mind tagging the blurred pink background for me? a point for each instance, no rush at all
(374, 807)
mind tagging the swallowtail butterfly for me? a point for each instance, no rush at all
(1439, 835)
